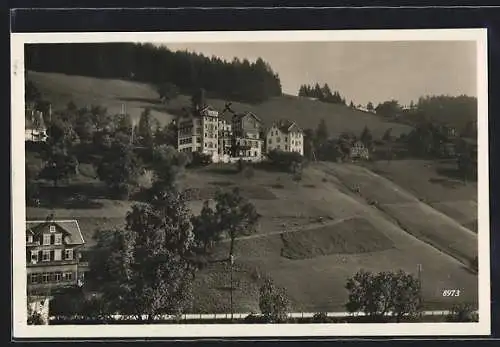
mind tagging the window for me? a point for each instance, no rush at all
(67, 276)
(286, 138)
(270, 141)
(34, 278)
(68, 254)
(29, 239)
(57, 254)
(278, 139)
(46, 239)
(57, 239)
(45, 255)
(279, 147)
(45, 278)
(58, 277)
(52, 229)
(286, 147)
(34, 256)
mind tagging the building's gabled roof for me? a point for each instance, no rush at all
(74, 235)
(247, 113)
(286, 126)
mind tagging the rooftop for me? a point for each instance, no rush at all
(74, 234)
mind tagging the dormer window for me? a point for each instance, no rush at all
(52, 228)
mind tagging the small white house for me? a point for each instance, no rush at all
(286, 136)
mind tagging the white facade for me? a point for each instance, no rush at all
(225, 140)
(199, 133)
(289, 138)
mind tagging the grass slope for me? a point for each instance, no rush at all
(60, 89)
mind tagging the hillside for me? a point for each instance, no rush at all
(59, 89)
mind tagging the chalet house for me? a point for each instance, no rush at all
(246, 130)
(53, 254)
(359, 151)
(198, 132)
(286, 136)
(34, 129)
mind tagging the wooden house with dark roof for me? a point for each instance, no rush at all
(53, 255)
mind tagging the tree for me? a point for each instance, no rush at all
(120, 168)
(367, 138)
(167, 163)
(321, 133)
(145, 267)
(145, 128)
(351, 104)
(388, 109)
(84, 126)
(32, 193)
(387, 135)
(369, 106)
(273, 302)
(235, 215)
(198, 99)
(384, 294)
(34, 317)
(167, 91)
(205, 226)
(166, 135)
(59, 166)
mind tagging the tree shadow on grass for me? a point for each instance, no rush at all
(74, 195)
(222, 169)
(71, 204)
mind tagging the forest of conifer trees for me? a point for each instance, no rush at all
(324, 93)
(238, 80)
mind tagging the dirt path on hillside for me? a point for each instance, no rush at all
(311, 226)
(418, 219)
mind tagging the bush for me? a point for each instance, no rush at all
(200, 159)
(253, 318)
(286, 161)
(320, 317)
(462, 313)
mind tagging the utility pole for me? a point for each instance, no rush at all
(419, 270)
(231, 261)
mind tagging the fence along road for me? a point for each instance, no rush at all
(239, 316)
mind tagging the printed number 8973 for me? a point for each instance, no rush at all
(451, 292)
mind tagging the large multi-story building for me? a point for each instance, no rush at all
(53, 254)
(247, 143)
(286, 136)
(225, 140)
(198, 132)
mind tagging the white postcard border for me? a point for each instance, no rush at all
(19, 300)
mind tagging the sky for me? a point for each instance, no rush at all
(361, 71)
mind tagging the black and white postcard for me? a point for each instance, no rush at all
(288, 183)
